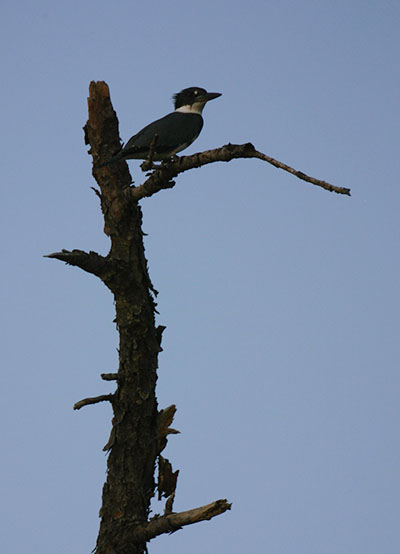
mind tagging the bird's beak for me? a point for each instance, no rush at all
(210, 96)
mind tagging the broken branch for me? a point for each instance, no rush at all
(172, 522)
(109, 376)
(93, 400)
(90, 262)
(148, 163)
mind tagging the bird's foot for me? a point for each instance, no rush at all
(171, 160)
(148, 165)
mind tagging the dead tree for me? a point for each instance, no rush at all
(139, 429)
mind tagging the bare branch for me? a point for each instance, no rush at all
(109, 376)
(162, 177)
(301, 175)
(93, 400)
(90, 262)
(169, 504)
(172, 522)
(148, 163)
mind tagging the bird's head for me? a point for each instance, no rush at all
(193, 99)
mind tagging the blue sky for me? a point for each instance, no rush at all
(281, 300)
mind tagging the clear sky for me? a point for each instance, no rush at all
(281, 300)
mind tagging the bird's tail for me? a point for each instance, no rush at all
(115, 158)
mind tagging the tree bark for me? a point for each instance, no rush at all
(133, 442)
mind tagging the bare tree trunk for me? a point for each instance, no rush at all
(133, 441)
(139, 430)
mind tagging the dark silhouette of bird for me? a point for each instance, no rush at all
(172, 133)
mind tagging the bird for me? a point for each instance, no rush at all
(172, 133)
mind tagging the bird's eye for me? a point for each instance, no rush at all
(196, 92)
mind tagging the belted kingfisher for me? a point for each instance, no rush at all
(173, 132)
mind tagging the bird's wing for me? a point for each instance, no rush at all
(167, 130)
